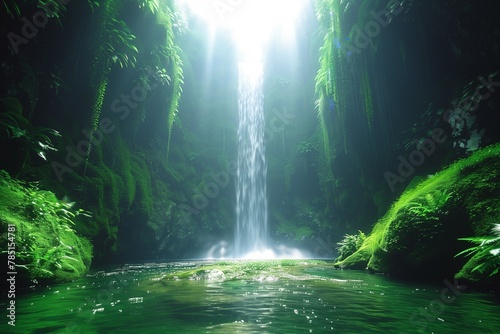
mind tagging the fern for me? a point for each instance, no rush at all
(350, 244)
(430, 204)
(36, 139)
(12, 8)
(118, 45)
(152, 6)
(487, 250)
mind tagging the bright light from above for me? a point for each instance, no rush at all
(252, 22)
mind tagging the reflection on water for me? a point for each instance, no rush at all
(313, 299)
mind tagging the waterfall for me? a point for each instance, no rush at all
(251, 196)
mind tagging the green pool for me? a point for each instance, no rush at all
(182, 297)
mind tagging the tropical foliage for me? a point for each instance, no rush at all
(47, 245)
(31, 139)
(350, 244)
(486, 253)
(409, 238)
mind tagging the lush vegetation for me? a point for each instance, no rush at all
(101, 103)
(91, 110)
(485, 255)
(41, 230)
(350, 244)
(418, 236)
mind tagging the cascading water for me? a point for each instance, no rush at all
(251, 195)
(251, 41)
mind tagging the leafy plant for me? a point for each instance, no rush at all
(307, 147)
(11, 8)
(42, 204)
(58, 9)
(118, 44)
(350, 244)
(486, 251)
(430, 204)
(47, 246)
(152, 5)
(35, 139)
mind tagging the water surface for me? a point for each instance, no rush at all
(313, 299)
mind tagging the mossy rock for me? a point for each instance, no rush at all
(47, 248)
(418, 237)
(244, 270)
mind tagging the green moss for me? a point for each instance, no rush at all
(418, 235)
(366, 93)
(243, 269)
(144, 195)
(123, 161)
(41, 226)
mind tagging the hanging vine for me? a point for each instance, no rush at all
(366, 93)
(172, 58)
(114, 45)
(343, 83)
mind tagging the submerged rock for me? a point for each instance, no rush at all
(261, 271)
(209, 275)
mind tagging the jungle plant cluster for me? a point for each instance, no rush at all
(422, 235)
(347, 111)
(47, 246)
(61, 84)
(368, 92)
(350, 244)
(486, 253)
